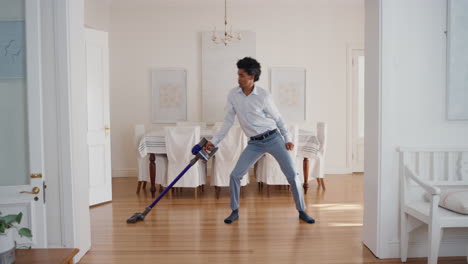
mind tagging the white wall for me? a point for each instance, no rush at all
(97, 14)
(412, 113)
(157, 33)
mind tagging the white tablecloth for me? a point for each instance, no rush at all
(155, 142)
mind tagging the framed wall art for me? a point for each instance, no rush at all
(169, 95)
(288, 88)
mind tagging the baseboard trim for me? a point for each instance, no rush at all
(338, 171)
(449, 248)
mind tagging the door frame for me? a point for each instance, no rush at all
(351, 49)
(67, 121)
(355, 118)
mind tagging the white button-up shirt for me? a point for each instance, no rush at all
(256, 112)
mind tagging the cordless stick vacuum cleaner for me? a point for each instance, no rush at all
(200, 153)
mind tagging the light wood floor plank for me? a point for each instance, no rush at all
(185, 230)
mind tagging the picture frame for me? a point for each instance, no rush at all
(289, 91)
(169, 95)
(457, 61)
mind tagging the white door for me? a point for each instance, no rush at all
(358, 111)
(21, 142)
(97, 79)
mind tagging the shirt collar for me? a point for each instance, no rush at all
(255, 90)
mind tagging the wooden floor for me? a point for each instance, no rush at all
(185, 230)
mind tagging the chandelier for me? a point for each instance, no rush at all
(228, 35)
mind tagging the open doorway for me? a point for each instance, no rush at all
(97, 83)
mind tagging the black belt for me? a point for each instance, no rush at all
(264, 135)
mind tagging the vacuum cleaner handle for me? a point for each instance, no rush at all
(212, 153)
(199, 151)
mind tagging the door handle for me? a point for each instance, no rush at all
(107, 129)
(35, 190)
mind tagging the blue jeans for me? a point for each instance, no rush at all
(274, 145)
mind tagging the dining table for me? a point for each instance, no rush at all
(153, 143)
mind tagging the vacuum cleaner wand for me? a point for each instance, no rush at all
(200, 153)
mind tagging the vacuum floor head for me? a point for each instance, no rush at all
(135, 218)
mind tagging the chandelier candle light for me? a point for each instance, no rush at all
(228, 36)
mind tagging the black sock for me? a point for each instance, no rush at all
(305, 217)
(233, 217)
